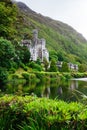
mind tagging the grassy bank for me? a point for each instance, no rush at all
(32, 113)
(36, 76)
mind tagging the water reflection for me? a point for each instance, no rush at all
(60, 91)
(46, 92)
(64, 90)
(73, 85)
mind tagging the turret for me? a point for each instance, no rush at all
(43, 42)
(35, 34)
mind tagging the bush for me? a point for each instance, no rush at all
(26, 76)
(78, 75)
(67, 75)
(23, 66)
(15, 76)
(12, 70)
(53, 67)
(30, 77)
(7, 53)
(34, 113)
(65, 67)
(35, 66)
(40, 76)
(3, 75)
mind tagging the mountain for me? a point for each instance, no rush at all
(63, 42)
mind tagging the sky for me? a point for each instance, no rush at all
(71, 12)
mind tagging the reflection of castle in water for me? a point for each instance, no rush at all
(46, 92)
(62, 91)
(73, 85)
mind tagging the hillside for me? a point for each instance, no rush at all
(63, 42)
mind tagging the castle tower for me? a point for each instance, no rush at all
(43, 42)
(35, 34)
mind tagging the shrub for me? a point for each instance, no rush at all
(7, 53)
(3, 75)
(67, 75)
(23, 66)
(40, 76)
(26, 76)
(12, 70)
(15, 76)
(30, 77)
(53, 67)
(65, 67)
(30, 112)
(78, 74)
(35, 66)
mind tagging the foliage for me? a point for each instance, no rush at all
(41, 76)
(78, 75)
(25, 54)
(22, 65)
(53, 55)
(61, 55)
(22, 53)
(7, 53)
(82, 68)
(66, 76)
(53, 67)
(29, 77)
(15, 76)
(26, 76)
(65, 67)
(8, 15)
(3, 75)
(35, 66)
(7, 2)
(38, 61)
(30, 112)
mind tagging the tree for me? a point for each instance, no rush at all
(35, 66)
(25, 54)
(3, 75)
(61, 55)
(7, 53)
(22, 53)
(53, 55)
(53, 67)
(7, 2)
(82, 68)
(8, 15)
(38, 61)
(65, 67)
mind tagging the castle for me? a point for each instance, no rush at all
(36, 47)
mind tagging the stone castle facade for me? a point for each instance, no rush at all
(37, 47)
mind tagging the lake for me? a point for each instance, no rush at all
(70, 90)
